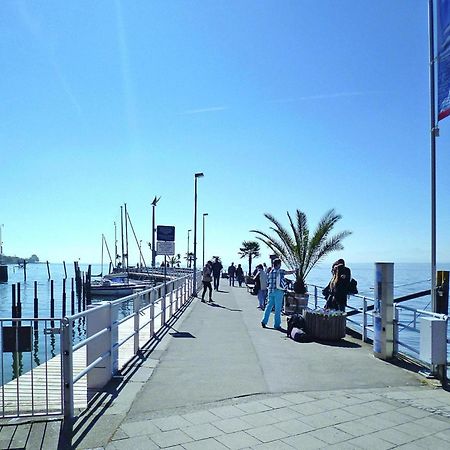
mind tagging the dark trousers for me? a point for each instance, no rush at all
(207, 285)
(216, 282)
(231, 280)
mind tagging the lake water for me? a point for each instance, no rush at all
(408, 278)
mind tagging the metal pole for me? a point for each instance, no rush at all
(121, 232)
(126, 235)
(153, 235)
(433, 132)
(194, 287)
(203, 246)
(115, 245)
(188, 260)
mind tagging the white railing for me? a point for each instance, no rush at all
(144, 313)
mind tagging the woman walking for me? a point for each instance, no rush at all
(206, 280)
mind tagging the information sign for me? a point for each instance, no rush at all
(165, 248)
(165, 233)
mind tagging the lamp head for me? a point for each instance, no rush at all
(199, 175)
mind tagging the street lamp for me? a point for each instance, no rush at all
(196, 177)
(154, 202)
(204, 215)
(188, 259)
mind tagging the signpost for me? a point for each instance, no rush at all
(165, 234)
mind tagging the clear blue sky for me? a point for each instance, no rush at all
(282, 104)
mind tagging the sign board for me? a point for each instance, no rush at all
(165, 248)
(165, 233)
(16, 339)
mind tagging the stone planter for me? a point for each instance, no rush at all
(295, 303)
(325, 327)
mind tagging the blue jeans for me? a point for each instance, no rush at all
(262, 294)
(275, 298)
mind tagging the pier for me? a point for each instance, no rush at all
(215, 379)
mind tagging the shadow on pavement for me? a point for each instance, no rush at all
(217, 305)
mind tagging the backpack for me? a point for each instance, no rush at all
(295, 321)
(299, 335)
(353, 287)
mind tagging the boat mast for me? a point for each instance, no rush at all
(115, 245)
(121, 233)
(126, 235)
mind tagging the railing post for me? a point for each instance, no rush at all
(114, 338)
(136, 302)
(171, 300)
(67, 368)
(163, 310)
(315, 297)
(152, 312)
(396, 329)
(364, 330)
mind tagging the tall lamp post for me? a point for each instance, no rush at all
(154, 202)
(188, 259)
(203, 246)
(196, 177)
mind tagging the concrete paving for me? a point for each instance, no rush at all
(217, 379)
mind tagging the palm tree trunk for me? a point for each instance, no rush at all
(250, 265)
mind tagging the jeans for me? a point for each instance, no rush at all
(216, 282)
(231, 280)
(275, 298)
(262, 294)
(207, 285)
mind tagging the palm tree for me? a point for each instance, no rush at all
(175, 260)
(250, 249)
(300, 250)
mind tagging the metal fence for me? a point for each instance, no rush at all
(53, 365)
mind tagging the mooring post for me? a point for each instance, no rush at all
(48, 270)
(13, 303)
(36, 306)
(52, 300)
(88, 285)
(19, 303)
(24, 270)
(64, 298)
(65, 270)
(72, 298)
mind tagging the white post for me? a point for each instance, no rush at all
(136, 304)
(67, 366)
(383, 342)
(364, 333)
(152, 312)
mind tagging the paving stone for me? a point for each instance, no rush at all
(276, 402)
(307, 409)
(293, 427)
(202, 431)
(267, 434)
(432, 442)
(205, 444)
(395, 418)
(304, 442)
(260, 419)
(253, 407)
(327, 404)
(355, 428)
(297, 398)
(394, 436)
(284, 414)
(433, 423)
(135, 443)
(331, 435)
(414, 412)
(371, 442)
(132, 429)
(226, 412)
(199, 417)
(232, 425)
(375, 422)
(170, 423)
(168, 438)
(274, 445)
(238, 440)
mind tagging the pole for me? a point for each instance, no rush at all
(153, 235)
(115, 245)
(126, 235)
(188, 259)
(433, 133)
(121, 233)
(203, 246)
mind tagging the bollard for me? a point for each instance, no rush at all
(383, 341)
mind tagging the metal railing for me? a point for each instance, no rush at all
(48, 364)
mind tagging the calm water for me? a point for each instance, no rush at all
(408, 278)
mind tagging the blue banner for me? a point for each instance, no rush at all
(443, 58)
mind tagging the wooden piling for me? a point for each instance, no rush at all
(36, 306)
(52, 300)
(88, 285)
(48, 270)
(64, 298)
(24, 270)
(13, 302)
(442, 291)
(65, 270)
(19, 302)
(72, 298)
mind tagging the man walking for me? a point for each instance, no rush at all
(276, 292)
(216, 268)
(231, 273)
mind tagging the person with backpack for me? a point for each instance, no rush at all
(339, 286)
(240, 275)
(260, 280)
(276, 292)
(206, 280)
(216, 269)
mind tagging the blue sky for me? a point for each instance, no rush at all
(282, 104)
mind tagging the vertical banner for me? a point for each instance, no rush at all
(443, 14)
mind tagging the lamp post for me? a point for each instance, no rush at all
(188, 259)
(154, 202)
(203, 247)
(1, 243)
(196, 177)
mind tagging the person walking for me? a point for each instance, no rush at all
(239, 275)
(261, 285)
(231, 273)
(216, 269)
(276, 293)
(206, 280)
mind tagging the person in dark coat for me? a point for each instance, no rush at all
(216, 268)
(337, 290)
(239, 275)
(231, 273)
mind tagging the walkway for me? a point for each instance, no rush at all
(218, 380)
